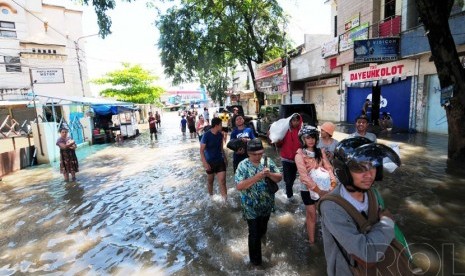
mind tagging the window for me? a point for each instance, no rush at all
(12, 64)
(389, 9)
(7, 25)
(4, 26)
(7, 33)
(335, 26)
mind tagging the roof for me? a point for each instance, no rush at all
(42, 39)
(12, 103)
(66, 99)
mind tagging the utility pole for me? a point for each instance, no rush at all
(76, 46)
(35, 112)
(288, 65)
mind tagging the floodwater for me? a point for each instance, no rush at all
(141, 208)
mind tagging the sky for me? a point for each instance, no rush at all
(134, 35)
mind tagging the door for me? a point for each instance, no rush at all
(436, 114)
(356, 97)
(395, 99)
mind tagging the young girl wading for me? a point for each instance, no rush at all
(316, 175)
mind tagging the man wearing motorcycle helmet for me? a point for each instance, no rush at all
(357, 163)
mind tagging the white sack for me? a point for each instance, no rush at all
(279, 128)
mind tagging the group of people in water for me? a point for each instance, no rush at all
(330, 172)
(326, 168)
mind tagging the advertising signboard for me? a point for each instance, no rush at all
(48, 75)
(376, 49)
(330, 48)
(352, 23)
(346, 40)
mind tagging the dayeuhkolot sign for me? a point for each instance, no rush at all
(48, 75)
(400, 69)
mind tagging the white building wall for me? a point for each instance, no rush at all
(310, 63)
(63, 28)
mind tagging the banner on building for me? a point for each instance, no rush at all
(352, 23)
(269, 68)
(50, 75)
(346, 40)
(322, 83)
(330, 48)
(271, 77)
(376, 49)
(276, 84)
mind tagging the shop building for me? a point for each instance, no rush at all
(314, 80)
(383, 54)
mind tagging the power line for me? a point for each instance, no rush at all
(41, 20)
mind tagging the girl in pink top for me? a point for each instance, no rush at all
(309, 159)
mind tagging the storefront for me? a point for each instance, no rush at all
(325, 94)
(389, 88)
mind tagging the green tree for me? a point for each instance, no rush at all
(101, 8)
(435, 17)
(131, 84)
(202, 39)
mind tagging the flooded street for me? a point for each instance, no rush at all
(142, 208)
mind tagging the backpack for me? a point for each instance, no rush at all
(396, 259)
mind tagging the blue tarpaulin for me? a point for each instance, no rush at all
(112, 109)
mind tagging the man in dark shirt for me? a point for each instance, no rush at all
(152, 126)
(213, 157)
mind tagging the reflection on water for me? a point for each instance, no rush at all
(141, 207)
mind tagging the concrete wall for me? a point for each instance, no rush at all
(49, 151)
(16, 160)
(327, 102)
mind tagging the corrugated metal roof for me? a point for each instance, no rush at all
(66, 99)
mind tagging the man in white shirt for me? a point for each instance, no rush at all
(361, 124)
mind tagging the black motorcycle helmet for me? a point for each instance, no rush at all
(361, 158)
(347, 146)
(306, 131)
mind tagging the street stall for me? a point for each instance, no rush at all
(111, 121)
(76, 114)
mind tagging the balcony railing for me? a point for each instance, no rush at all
(390, 26)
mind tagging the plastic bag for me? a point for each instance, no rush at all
(279, 128)
(322, 179)
(387, 163)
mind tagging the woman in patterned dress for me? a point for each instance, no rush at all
(68, 160)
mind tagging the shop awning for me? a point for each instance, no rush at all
(112, 109)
